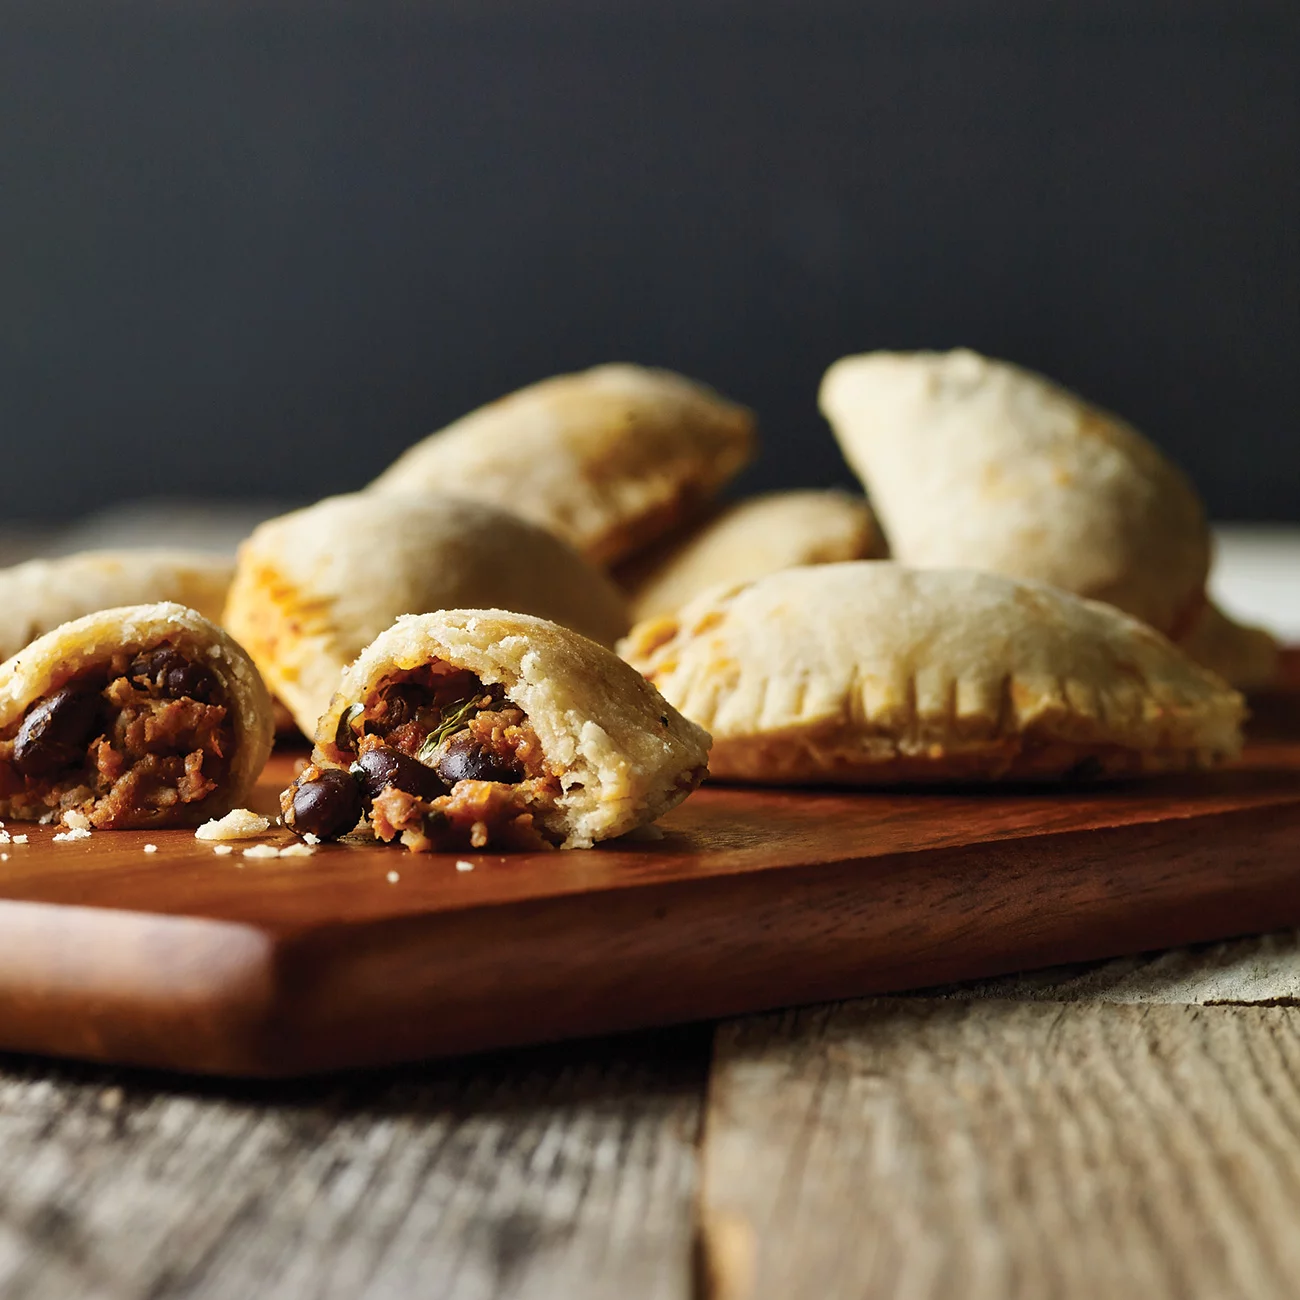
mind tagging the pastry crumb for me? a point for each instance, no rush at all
(151, 848)
(5, 837)
(224, 850)
(297, 850)
(309, 838)
(262, 851)
(67, 837)
(4, 857)
(237, 824)
(75, 820)
(462, 865)
(20, 839)
(393, 877)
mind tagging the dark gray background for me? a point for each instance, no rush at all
(258, 249)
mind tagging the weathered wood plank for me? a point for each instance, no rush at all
(933, 1149)
(557, 1172)
(1260, 969)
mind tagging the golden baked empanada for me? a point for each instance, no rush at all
(872, 673)
(608, 459)
(477, 728)
(41, 594)
(315, 587)
(1248, 658)
(978, 463)
(148, 715)
(746, 540)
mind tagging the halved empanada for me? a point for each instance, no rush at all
(1248, 658)
(874, 673)
(314, 587)
(978, 463)
(746, 540)
(41, 594)
(608, 459)
(477, 728)
(148, 715)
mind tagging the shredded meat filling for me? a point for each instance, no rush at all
(482, 778)
(124, 745)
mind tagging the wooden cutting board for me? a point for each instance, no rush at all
(183, 959)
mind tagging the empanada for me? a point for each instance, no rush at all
(478, 728)
(873, 673)
(978, 463)
(1248, 658)
(314, 587)
(147, 715)
(41, 594)
(608, 459)
(746, 540)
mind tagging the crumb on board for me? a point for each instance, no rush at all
(297, 850)
(463, 865)
(224, 850)
(20, 839)
(151, 848)
(67, 837)
(393, 877)
(262, 851)
(5, 838)
(4, 857)
(76, 820)
(309, 838)
(237, 824)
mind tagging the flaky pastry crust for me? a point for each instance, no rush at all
(749, 539)
(871, 672)
(608, 459)
(623, 755)
(314, 587)
(1246, 657)
(981, 464)
(39, 595)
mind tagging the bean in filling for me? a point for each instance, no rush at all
(442, 763)
(127, 744)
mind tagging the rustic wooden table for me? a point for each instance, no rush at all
(1125, 1129)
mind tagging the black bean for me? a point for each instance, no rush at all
(172, 673)
(464, 759)
(327, 806)
(56, 731)
(381, 767)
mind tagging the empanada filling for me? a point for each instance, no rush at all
(125, 744)
(442, 763)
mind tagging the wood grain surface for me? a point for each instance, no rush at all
(750, 900)
(555, 1172)
(991, 1150)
